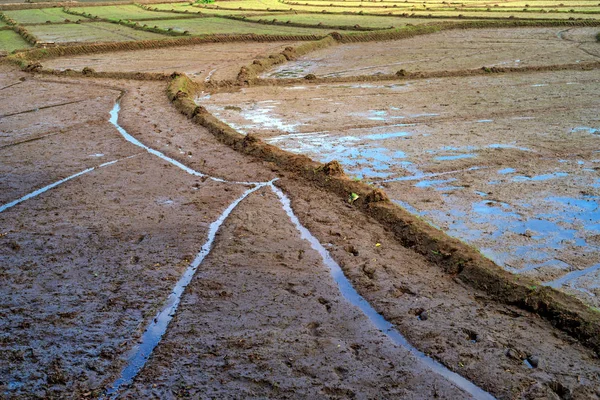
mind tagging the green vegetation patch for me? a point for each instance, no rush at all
(183, 7)
(252, 4)
(214, 25)
(344, 20)
(10, 40)
(90, 32)
(123, 12)
(40, 16)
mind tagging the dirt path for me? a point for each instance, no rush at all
(88, 264)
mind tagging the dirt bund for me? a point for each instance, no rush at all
(405, 75)
(451, 255)
(26, 58)
(249, 73)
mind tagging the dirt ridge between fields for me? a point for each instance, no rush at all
(451, 255)
(25, 58)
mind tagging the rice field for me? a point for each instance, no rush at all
(343, 20)
(10, 40)
(213, 25)
(475, 9)
(128, 11)
(90, 32)
(40, 16)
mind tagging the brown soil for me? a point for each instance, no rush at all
(450, 50)
(86, 265)
(219, 61)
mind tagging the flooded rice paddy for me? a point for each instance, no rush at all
(507, 164)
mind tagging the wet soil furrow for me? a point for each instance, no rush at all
(57, 183)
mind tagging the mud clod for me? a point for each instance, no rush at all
(13, 245)
(515, 354)
(375, 196)
(562, 391)
(534, 361)
(88, 71)
(352, 250)
(333, 168)
(56, 374)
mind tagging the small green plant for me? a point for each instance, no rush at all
(205, 1)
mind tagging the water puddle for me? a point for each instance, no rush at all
(505, 171)
(209, 75)
(359, 157)
(586, 129)
(265, 118)
(158, 326)
(455, 157)
(538, 178)
(426, 184)
(572, 276)
(350, 294)
(294, 69)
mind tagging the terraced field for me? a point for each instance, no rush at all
(122, 12)
(10, 41)
(211, 25)
(300, 199)
(40, 16)
(89, 32)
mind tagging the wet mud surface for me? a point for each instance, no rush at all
(506, 163)
(87, 265)
(218, 61)
(450, 50)
(275, 326)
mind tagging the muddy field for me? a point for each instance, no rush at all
(450, 50)
(88, 263)
(218, 61)
(508, 163)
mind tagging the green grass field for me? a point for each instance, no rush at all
(344, 20)
(90, 32)
(181, 7)
(210, 25)
(123, 12)
(475, 9)
(10, 40)
(40, 16)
